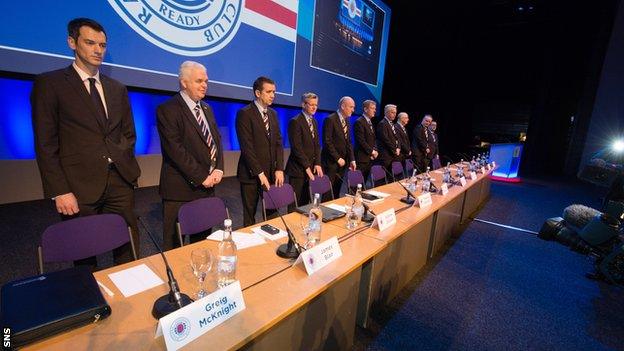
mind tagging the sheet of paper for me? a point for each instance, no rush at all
(242, 240)
(134, 280)
(336, 207)
(377, 193)
(262, 233)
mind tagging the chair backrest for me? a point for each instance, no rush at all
(278, 197)
(378, 173)
(409, 167)
(83, 237)
(321, 185)
(200, 215)
(397, 170)
(354, 178)
(436, 163)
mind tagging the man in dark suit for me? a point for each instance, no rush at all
(420, 144)
(84, 136)
(337, 154)
(261, 162)
(191, 149)
(305, 149)
(365, 148)
(435, 151)
(387, 140)
(401, 123)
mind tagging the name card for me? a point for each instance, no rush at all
(424, 200)
(192, 321)
(473, 175)
(444, 189)
(320, 255)
(482, 169)
(385, 220)
(493, 164)
(488, 167)
(462, 181)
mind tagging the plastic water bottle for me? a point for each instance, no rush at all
(446, 176)
(227, 260)
(413, 181)
(315, 219)
(358, 207)
(460, 170)
(426, 182)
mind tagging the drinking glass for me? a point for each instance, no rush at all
(201, 262)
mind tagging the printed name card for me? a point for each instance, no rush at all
(385, 219)
(192, 321)
(489, 166)
(462, 181)
(444, 189)
(320, 255)
(482, 169)
(424, 200)
(473, 175)
(493, 164)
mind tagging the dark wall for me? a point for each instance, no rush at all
(490, 70)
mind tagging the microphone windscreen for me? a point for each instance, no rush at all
(579, 215)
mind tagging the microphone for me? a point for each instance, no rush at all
(174, 300)
(579, 215)
(409, 197)
(291, 249)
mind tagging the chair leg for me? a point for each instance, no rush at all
(134, 253)
(264, 210)
(40, 260)
(179, 230)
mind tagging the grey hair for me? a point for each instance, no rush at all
(368, 103)
(401, 114)
(343, 99)
(388, 107)
(187, 66)
(308, 96)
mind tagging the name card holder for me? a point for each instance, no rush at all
(192, 321)
(319, 256)
(385, 220)
(424, 200)
(462, 181)
(473, 175)
(444, 189)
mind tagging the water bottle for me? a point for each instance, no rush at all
(358, 206)
(460, 170)
(315, 218)
(446, 176)
(426, 182)
(227, 260)
(413, 181)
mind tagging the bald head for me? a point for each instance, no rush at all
(346, 106)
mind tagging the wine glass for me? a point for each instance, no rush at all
(201, 262)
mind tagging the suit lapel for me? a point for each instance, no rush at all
(113, 118)
(74, 80)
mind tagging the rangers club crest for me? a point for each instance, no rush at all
(180, 329)
(185, 27)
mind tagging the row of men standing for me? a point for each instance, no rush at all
(85, 137)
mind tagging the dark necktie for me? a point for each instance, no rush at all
(265, 119)
(208, 136)
(309, 120)
(370, 125)
(97, 102)
(345, 129)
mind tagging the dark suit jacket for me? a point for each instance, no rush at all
(364, 140)
(387, 142)
(420, 142)
(186, 155)
(335, 145)
(404, 141)
(305, 151)
(433, 144)
(72, 146)
(259, 153)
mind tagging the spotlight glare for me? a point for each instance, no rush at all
(618, 145)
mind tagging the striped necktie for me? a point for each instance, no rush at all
(207, 135)
(265, 119)
(345, 128)
(310, 125)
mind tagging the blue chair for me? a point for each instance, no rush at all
(200, 215)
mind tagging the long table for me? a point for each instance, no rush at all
(285, 308)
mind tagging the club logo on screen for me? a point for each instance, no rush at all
(180, 329)
(185, 27)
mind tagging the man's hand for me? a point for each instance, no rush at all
(341, 162)
(208, 182)
(428, 151)
(397, 151)
(218, 176)
(279, 178)
(353, 166)
(319, 170)
(264, 182)
(67, 204)
(309, 173)
(374, 154)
